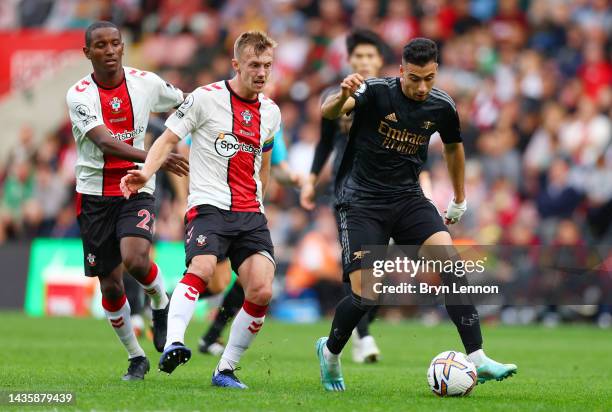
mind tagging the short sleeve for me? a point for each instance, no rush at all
(166, 96)
(450, 129)
(276, 125)
(276, 119)
(364, 95)
(83, 112)
(189, 116)
(279, 151)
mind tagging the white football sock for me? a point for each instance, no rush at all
(182, 306)
(118, 314)
(478, 357)
(153, 286)
(245, 327)
(330, 358)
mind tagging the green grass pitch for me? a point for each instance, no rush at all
(568, 368)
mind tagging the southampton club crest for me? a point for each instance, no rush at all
(201, 240)
(247, 116)
(115, 104)
(91, 259)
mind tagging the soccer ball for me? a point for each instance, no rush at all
(451, 374)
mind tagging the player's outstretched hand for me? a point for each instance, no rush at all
(454, 211)
(307, 196)
(177, 164)
(350, 84)
(132, 182)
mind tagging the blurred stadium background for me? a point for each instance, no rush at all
(532, 81)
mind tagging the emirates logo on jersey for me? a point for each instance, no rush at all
(247, 116)
(115, 104)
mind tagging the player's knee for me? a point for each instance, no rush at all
(137, 264)
(260, 294)
(219, 281)
(111, 288)
(203, 266)
(441, 238)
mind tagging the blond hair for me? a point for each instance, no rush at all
(256, 38)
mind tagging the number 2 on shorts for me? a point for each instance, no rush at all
(144, 223)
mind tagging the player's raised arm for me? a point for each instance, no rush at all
(158, 156)
(342, 102)
(455, 162)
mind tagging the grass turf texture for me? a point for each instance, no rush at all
(568, 368)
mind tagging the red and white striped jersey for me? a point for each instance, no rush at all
(124, 111)
(229, 135)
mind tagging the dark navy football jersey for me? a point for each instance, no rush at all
(388, 141)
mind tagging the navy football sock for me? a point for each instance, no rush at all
(349, 312)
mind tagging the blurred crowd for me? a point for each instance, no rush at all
(532, 81)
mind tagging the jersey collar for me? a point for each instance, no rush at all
(109, 88)
(255, 100)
